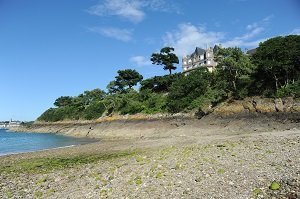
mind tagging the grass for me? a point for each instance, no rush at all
(47, 164)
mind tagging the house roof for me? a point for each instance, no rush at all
(198, 51)
(251, 52)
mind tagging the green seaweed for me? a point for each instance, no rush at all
(47, 164)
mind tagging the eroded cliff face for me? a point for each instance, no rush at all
(251, 114)
(258, 105)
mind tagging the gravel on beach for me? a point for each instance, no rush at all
(246, 165)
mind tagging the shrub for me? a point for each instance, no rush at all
(159, 84)
(188, 88)
(290, 90)
(94, 110)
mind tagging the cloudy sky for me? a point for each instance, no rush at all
(52, 48)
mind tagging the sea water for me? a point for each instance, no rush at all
(19, 142)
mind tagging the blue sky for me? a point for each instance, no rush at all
(53, 48)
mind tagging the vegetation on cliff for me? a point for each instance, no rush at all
(272, 71)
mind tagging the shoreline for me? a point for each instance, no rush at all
(25, 152)
(75, 141)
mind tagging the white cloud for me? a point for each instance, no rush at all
(268, 18)
(140, 61)
(132, 10)
(240, 43)
(244, 39)
(162, 5)
(129, 9)
(188, 36)
(116, 33)
(253, 30)
(296, 31)
(252, 26)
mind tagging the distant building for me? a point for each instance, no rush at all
(4, 124)
(200, 58)
(15, 123)
(11, 123)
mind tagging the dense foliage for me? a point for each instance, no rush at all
(160, 84)
(278, 64)
(272, 71)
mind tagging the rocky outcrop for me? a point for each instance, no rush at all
(258, 105)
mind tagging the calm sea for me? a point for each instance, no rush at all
(24, 142)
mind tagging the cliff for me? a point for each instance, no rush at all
(249, 115)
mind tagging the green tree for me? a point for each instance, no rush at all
(165, 58)
(124, 80)
(128, 78)
(90, 96)
(160, 84)
(94, 110)
(188, 88)
(234, 69)
(278, 62)
(113, 88)
(63, 101)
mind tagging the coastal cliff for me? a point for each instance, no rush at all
(251, 114)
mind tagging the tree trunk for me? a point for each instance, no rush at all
(276, 82)
(170, 71)
(234, 85)
(234, 79)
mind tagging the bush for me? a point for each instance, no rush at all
(211, 97)
(160, 84)
(94, 110)
(290, 90)
(128, 103)
(52, 115)
(188, 88)
(153, 102)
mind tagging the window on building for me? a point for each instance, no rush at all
(201, 57)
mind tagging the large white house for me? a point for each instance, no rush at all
(200, 58)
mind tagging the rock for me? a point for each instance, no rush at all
(247, 104)
(288, 104)
(279, 105)
(264, 105)
(296, 107)
(233, 108)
